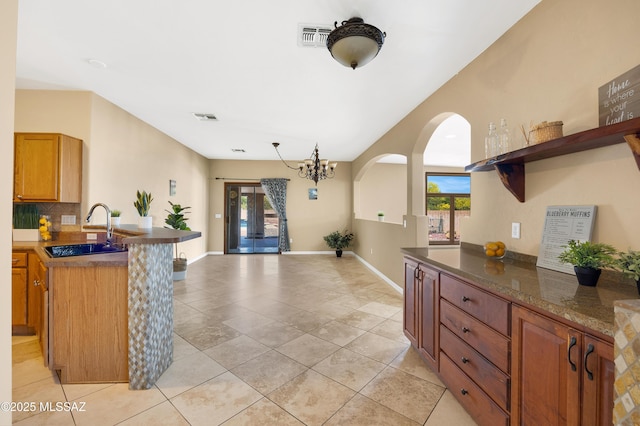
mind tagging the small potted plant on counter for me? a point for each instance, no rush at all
(380, 216)
(588, 259)
(338, 240)
(142, 204)
(629, 264)
(177, 220)
(115, 217)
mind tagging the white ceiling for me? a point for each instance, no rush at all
(240, 60)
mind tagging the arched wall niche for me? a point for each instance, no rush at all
(380, 186)
(412, 190)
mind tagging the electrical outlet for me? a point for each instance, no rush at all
(92, 237)
(515, 230)
(67, 219)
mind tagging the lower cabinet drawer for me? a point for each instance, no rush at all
(18, 260)
(481, 408)
(486, 307)
(486, 375)
(491, 344)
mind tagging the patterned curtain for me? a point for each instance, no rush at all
(276, 192)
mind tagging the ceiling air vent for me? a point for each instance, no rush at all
(313, 35)
(204, 117)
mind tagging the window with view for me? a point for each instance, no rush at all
(448, 200)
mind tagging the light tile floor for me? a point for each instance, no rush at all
(265, 340)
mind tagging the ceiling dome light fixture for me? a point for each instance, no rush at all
(312, 168)
(355, 44)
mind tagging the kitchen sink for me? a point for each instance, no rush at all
(84, 249)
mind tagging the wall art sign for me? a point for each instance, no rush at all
(619, 99)
(561, 224)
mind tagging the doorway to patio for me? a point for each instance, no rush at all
(252, 225)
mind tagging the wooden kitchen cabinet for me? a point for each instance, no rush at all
(39, 302)
(421, 310)
(561, 376)
(428, 341)
(47, 168)
(410, 319)
(19, 278)
(88, 342)
(475, 349)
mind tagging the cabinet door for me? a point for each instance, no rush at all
(36, 167)
(410, 320)
(546, 368)
(18, 296)
(598, 377)
(428, 295)
(33, 293)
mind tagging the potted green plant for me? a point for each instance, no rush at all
(380, 216)
(115, 217)
(176, 219)
(338, 240)
(588, 259)
(143, 204)
(629, 264)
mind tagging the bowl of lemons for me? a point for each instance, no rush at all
(495, 249)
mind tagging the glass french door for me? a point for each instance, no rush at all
(252, 225)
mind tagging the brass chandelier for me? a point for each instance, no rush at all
(312, 168)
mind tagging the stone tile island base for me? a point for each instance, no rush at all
(626, 409)
(150, 313)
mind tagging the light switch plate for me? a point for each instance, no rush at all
(515, 230)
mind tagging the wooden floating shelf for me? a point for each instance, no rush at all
(510, 166)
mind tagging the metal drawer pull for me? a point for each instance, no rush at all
(464, 391)
(590, 350)
(572, 343)
(465, 299)
(466, 329)
(465, 360)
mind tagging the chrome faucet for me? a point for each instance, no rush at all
(109, 230)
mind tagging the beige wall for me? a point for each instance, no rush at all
(383, 188)
(121, 155)
(547, 67)
(309, 220)
(9, 24)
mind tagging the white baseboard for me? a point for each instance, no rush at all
(380, 274)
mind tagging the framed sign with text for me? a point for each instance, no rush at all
(619, 99)
(561, 224)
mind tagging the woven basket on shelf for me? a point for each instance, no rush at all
(545, 131)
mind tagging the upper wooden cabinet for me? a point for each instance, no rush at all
(47, 168)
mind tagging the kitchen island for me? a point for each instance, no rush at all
(516, 344)
(142, 322)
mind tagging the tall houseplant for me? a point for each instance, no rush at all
(338, 240)
(176, 219)
(143, 204)
(588, 259)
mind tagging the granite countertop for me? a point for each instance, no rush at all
(521, 281)
(127, 234)
(131, 234)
